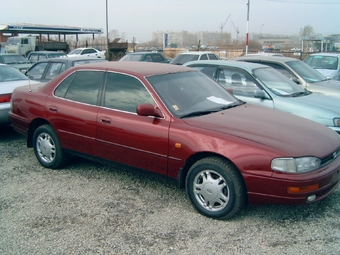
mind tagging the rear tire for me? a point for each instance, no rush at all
(47, 147)
(216, 188)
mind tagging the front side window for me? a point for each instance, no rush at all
(54, 70)
(88, 51)
(237, 81)
(81, 86)
(125, 93)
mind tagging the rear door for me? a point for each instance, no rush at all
(125, 137)
(73, 110)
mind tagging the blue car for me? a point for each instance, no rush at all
(265, 86)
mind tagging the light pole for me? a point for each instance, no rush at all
(247, 35)
(107, 33)
(261, 30)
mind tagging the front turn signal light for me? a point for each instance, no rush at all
(303, 189)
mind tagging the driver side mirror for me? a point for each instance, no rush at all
(296, 80)
(260, 94)
(149, 110)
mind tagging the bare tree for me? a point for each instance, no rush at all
(307, 30)
(113, 34)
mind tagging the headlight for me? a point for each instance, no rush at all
(336, 122)
(295, 165)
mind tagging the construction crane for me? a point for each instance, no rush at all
(237, 32)
(223, 24)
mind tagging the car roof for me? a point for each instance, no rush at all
(274, 59)
(66, 59)
(231, 63)
(47, 51)
(143, 52)
(11, 54)
(141, 68)
(325, 54)
(196, 53)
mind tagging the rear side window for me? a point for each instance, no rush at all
(157, 58)
(212, 56)
(204, 57)
(82, 86)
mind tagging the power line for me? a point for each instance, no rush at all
(300, 2)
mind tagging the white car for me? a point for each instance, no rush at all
(10, 78)
(87, 52)
(184, 57)
(328, 64)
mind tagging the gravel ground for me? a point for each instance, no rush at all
(88, 208)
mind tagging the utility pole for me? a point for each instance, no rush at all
(247, 35)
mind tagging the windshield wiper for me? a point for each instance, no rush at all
(198, 113)
(224, 107)
(297, 94)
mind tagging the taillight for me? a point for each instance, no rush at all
(6, 98)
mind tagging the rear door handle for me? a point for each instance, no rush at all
(105, 120)
(53, 109)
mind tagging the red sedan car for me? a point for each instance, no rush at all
(175, 121)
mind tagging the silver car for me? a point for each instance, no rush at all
(299, 72)
(10, 78)
(263, 85)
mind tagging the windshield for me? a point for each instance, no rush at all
(306, 72)
(14, 59)
(13, 40)
(322, 62)
(9, 73)
(191, 92)
(278, 83)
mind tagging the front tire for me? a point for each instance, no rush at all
(216, 188)
(47, 147)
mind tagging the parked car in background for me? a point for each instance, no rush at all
(299, 72)
(145, 57)
(328, 64)
(35, 56)
(269, 54)
(86, 52)
(10, 78)
(175, 121)
(15, 60)
(45, 70)
(184, 57)
(265, 86)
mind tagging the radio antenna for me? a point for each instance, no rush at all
(29, 84)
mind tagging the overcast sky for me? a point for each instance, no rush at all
(139, 18)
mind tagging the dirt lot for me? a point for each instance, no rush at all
(88, 208)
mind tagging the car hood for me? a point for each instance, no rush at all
(326, 72)
(9, 86)
(288, 134)
(315, 101)
(327, 87)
